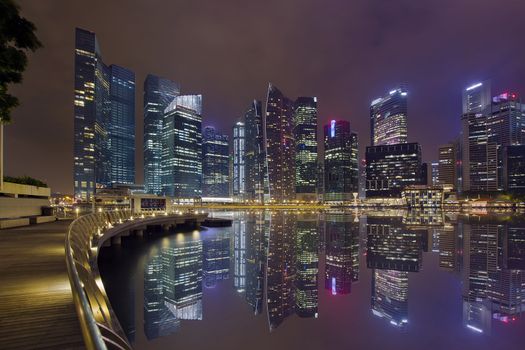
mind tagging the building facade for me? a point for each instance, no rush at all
(239, 166)
(280, 146)
(305, 135)
(341, 162)
(215, 159)
(514, 168)
(447, 175)
(182, 148)
(158, 93)
(254, 153)
(388, 118)
(390, 168)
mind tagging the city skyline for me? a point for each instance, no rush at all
(434, 99)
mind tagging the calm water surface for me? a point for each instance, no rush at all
(288, 280)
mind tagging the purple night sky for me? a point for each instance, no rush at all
(344, 52)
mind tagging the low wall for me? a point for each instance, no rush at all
(11, 188)
(18, 207)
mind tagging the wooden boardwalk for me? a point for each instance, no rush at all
(36, 306)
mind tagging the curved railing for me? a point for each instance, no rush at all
(100, 327)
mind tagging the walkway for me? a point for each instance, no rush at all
(36, 306)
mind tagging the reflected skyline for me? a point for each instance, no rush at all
(289, 266)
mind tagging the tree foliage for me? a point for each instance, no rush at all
(17, 37)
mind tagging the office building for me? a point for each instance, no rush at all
(182, 148)
(305, 135)
(514, 168)
(307, 266)
(239, 165)
(215, 164)
(216, 258)
(388, 118)
(254, 156)
(447, 175)
(280, 146)
(239, 254)
(158, 93)
(479, 154)
(391, 168)
(91, 154)
(433, 174)
(390, 296)
(341, 162)
(121, 130)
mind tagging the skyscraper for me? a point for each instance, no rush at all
(307, 267)
(104, 125)
(280, 145)
(514, 168)
(121, 130)
(239, 167)
(91, 156)
(254, 156)
(158, 93)
(341, 162)
(447, 165)
(182, 147)
(388, 118)
(390, 168)
(479, 155)
(215, 164)
(305, 135)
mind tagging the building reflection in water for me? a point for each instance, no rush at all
(341, 253)
(275, 265)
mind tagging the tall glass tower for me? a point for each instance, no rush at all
(239, 167)
(158, 93)
(104, 125)
(215, 164)
(388, 118)
(254, 153)
(305, 134)
(122, 125)
(182, 148)
(341, 161)
(280, 145)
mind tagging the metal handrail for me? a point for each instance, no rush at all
(100, 327)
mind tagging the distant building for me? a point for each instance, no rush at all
(447, 175)
(388, 118)
(215, 159)
(158, 93)
(307, 267)
(280, 146)
(254, 153)
(514, 168)
(390, 168)
(239, 166)
(341, 162)
(422, 196)
(433, 177)
(305, 135)
(182, 148)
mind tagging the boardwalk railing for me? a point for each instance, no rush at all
(101, 329)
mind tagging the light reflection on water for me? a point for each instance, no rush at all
(398, 280)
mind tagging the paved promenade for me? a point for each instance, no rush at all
(36, 306)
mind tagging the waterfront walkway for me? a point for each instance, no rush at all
(36, 305)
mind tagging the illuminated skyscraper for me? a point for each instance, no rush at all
(280, 145)
(254, 153)
(216, 258)
(391, 168)
(514, 168)
(182, 147)
(215, 164)
(479, 154)
(239, 166)
(305, 134)
(388, 118)
(158, 93)
(256, 244)
(447, 165)
(91, 154)
(104, 125)
(341, 162)
(239, 254)
(121, 130)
